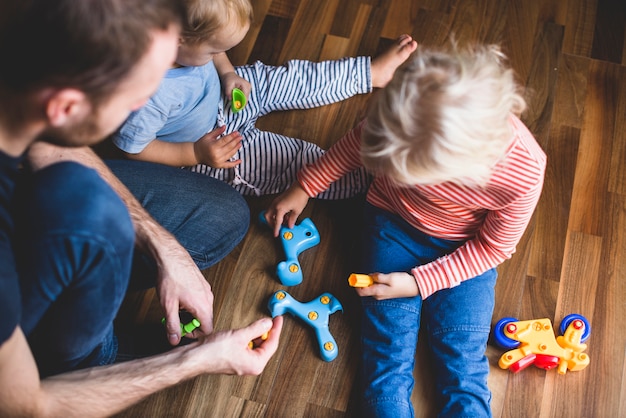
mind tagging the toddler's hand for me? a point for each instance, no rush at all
(390, 286)
(217, 152)
(232, 80)
(287, 207)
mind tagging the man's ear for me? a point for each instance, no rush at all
(65, 106)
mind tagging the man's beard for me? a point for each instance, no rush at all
(87, 132)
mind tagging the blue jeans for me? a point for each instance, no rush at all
(457, 323)
(75, 250)
(207, 216)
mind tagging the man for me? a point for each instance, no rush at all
(72, 72)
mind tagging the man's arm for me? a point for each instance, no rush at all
(180, 284)
(106, 390)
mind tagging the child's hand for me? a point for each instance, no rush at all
(232, 80)
(390, 286)
(287, 207)
(217, 152)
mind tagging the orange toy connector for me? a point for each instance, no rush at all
(264, 337)
(360, 280)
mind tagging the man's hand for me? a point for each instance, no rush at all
(390, 286)
(229, 352)
(216, 152)
(180, 285)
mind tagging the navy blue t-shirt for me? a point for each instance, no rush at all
(10, 299)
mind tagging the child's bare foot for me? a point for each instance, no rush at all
(385, 65)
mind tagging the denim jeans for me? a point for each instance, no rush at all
(75, 250)
(207, 216)
(457, 323)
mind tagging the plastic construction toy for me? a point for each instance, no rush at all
(295, 240)
(238, 101)
(533, 342)
(360, 280)
(186, 328)
(315, 313)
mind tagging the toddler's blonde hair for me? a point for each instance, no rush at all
(444, 117)
(206, 17)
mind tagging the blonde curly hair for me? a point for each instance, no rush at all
(207, 17)
(444, 117)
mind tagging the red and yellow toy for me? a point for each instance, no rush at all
(533, 342)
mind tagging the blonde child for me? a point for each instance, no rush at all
(172, 128)
(457, 178)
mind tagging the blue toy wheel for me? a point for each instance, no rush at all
(500, 337)
(571, 318)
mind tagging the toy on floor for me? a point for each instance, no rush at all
(295, 240)
(533, 342)
(360, 280)
(238, 101)
(186, 328)
(315, 313)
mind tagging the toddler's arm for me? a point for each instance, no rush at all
(168, 153)
(210, 150)
(314, 178)
(288, 205)
(228, 77)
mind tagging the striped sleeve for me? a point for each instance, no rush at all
(501, 230)
(343, 157)
(495, 242)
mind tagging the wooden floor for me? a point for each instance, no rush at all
(571, 55)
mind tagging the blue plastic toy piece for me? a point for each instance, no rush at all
(295, 240)
(315, 313)
(500, 337)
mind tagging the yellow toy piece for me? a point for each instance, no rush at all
(360, 280)
(253, 344)
(540, 347)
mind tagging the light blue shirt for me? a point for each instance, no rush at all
(182, 110)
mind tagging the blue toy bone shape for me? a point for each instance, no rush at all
(295, 240)
(315, 313)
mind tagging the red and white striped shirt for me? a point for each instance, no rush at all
(491, 219)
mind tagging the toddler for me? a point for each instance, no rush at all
(457, 177)
(172, 128)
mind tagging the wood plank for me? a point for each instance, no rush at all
(604, 383)
(522, 25)
(617, 174)
(306, 36)
(608, 38)
(591, 176)
(582, 258)
(275, 30)
(400, 18)
(579, 27)
(374, 26)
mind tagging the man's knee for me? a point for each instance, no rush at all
(71, 197)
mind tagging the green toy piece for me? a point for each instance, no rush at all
(186, 328)
(239, 100)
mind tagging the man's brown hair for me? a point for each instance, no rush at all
(90, 45)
